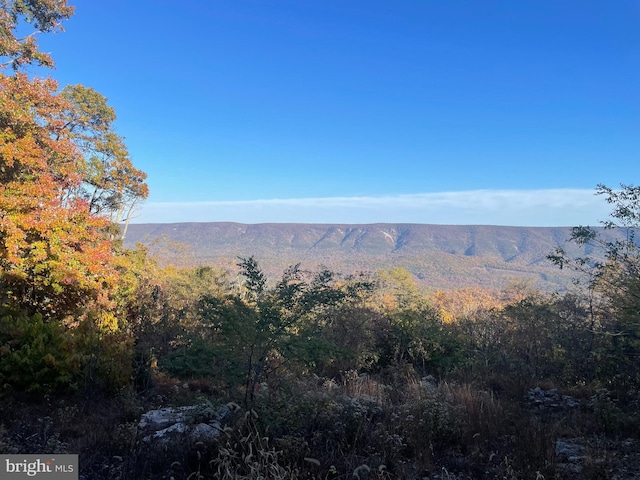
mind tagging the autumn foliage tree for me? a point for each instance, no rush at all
(42, 16)
(52, 252)
(65, 176)
(66, 179)
(111, 185)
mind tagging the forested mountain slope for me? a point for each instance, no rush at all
(441, 256)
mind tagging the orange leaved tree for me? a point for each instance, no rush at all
(53, 254)
(65, 178)
(65, 181)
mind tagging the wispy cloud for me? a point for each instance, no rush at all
(554, 207)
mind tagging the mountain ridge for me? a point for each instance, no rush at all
(440, 256)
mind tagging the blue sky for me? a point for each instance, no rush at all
(427, 111)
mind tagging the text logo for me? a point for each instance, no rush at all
(50, 467)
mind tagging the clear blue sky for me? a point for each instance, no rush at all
(431, 111)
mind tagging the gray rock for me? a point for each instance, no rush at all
(164, 417)
(204, 432)
(550, 399)
(196, 422)
(162, 436)
(570, 450)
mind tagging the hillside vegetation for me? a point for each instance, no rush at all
(153, 365)
(439, 256)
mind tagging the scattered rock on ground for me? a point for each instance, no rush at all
(196, 422)
(550, 399)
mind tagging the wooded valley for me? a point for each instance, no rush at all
(440, 257)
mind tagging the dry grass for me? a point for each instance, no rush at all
(366, 427)
(245, 454)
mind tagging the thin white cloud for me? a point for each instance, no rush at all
(553, 207)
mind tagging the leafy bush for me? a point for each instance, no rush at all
(36, 356)
(199, 359)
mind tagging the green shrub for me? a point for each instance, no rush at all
(187, 361)
(36, 356)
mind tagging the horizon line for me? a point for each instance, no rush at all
(506, 207)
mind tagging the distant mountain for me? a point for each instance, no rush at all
(440, 256)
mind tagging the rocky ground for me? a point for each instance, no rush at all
(588, 437)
